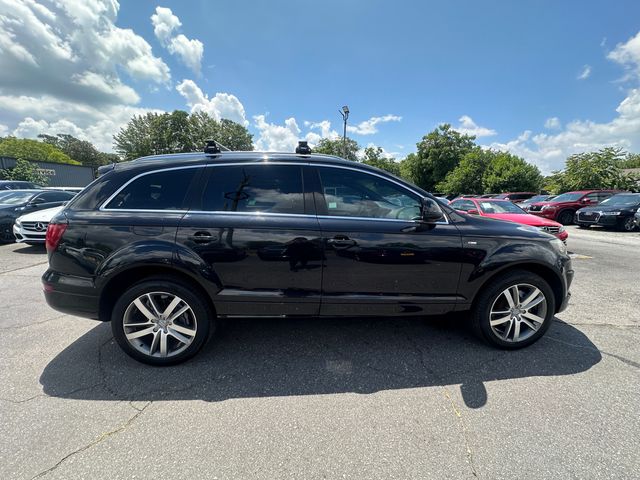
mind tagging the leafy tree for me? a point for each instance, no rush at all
(600, 169)
(468, 176)
(336, 147)
(33, 150)
(79, 150)
(632, 160)
(160, 133)
(374, 156)
(26, 171)
(228, 133)
(439, 152)
(509, 173)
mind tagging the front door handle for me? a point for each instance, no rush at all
(341, 241)
(202, 237)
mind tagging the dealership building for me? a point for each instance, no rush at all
(59, 174)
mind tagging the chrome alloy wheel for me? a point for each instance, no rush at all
(518, 313)
(159, 324)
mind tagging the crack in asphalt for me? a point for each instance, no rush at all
(18, 327)
(62, 394)
(23, 268)
(95, 442)
(624, 360)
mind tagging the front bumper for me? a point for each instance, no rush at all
(597, 218)
(23, 235)
(567, 275)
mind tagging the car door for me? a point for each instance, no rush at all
(256, 231)
(378, 259)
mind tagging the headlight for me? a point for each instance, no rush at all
(548, 207)
(559, 246)
(18, 223)
(562, 229)
(612, 213)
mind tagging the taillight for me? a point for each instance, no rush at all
(54, 234)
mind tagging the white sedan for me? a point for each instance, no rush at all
(32, 227)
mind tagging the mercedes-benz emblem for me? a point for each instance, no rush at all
(40, 227)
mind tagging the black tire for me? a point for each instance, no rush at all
(627, 224)
(6, 233)
(566, 217)
(583, 225)
(480, 316)
(204, 320)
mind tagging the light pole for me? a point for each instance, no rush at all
(345, 115)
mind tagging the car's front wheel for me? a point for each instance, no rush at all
(160, 322)
(627, 225)
(514, 311)
(566, 217)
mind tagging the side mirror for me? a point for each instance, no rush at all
(473, 211)
(431, 213)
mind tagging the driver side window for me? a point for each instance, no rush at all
(348, 193)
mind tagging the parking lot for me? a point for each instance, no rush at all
(329, 398)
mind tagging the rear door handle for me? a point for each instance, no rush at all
(202, 237)
(341, 241)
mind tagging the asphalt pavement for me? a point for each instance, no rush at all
(357, 399)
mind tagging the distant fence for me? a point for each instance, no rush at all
(59, 174)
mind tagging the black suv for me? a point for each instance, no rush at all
(165, 246)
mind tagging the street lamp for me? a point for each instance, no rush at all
(345, 115)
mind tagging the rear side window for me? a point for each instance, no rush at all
(156, 191)
(255, 188)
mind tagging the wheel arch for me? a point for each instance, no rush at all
(543, 271)
(124, 279)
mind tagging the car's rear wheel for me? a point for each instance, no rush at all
(514, 311)
(161, 322)
(566, 217)
(627, 225)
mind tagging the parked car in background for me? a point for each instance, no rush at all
(563, 207)
(19, 202)
(16, 185)
(515, 197)
(488, 195)
(506, 210)
(32, 227)
(165, 247)
(617, 211)
(538, 198)
(637, 218)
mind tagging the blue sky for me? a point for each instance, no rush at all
(542, 78)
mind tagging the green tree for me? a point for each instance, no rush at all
(468, 176)
(232, 135)
(161, 133)
(632, 160)
(509, 173)
(26, 171)
(33, 150)
(600, 169)
(374, 156)
(336, 147)
(79, 150)
(439, 152)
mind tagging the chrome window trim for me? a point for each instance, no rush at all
(103, 207)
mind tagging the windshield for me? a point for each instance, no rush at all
(15, 198)
(568, 197)
(622, 200)
(488, 206)
(538, 198)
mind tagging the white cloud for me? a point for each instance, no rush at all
(221, 105)
(585, 73)
(369, 127)
(325, 130)
(276, 138)
(4, 130)
(188, 51)
(552, 123)
(469, 127)
(628, 55)
(549, 151)
(62, 64)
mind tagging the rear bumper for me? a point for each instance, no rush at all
(71, 295)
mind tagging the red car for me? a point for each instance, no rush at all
(505, 210)
(515, 197)
(563, 207)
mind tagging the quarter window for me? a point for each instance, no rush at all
(255, 188)
(165, 190)
(348, 193)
